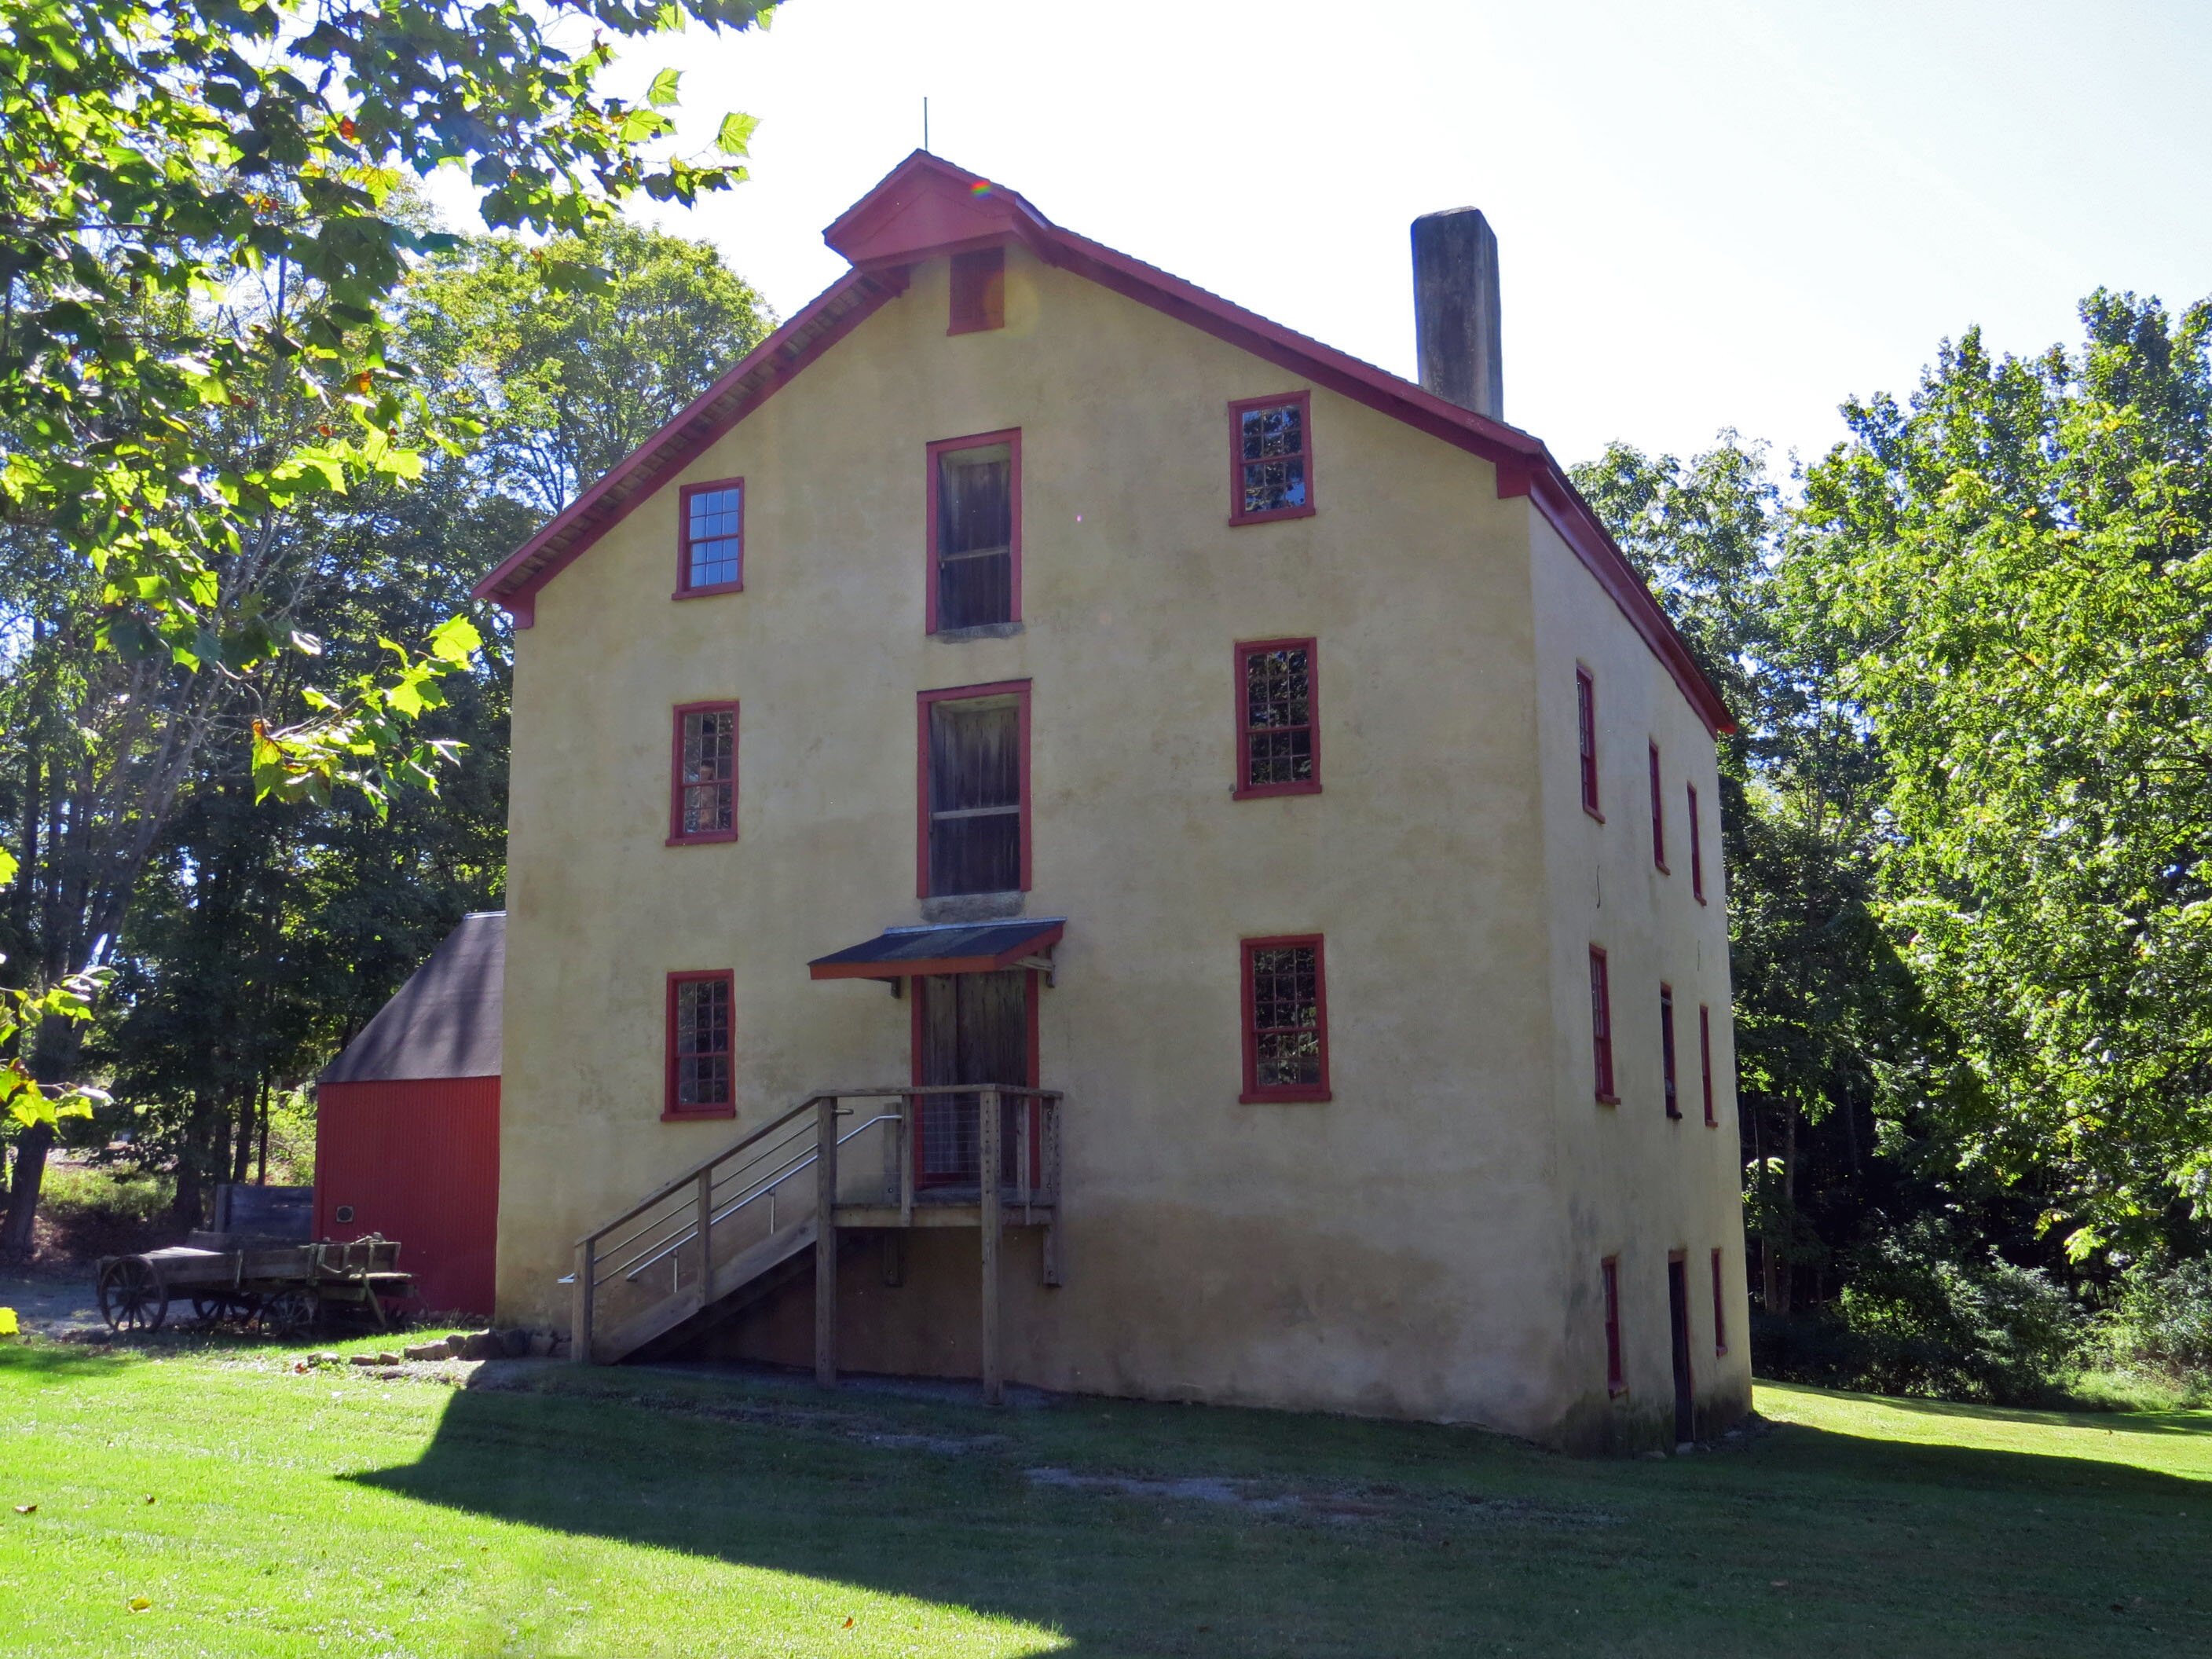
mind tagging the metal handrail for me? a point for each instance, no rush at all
(806, 1161)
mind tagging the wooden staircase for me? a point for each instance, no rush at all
(730, 1229)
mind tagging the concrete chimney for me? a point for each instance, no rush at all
(1456, 310)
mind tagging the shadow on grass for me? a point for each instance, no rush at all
(1490, 1542)
(65, 1361)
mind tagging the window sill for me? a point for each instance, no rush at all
(1700, 897)
(1608, 1100)
(1004, 630)
(1276, 517)
(1287, 1098)
(1616, 1390)
(707, 839)
(1674, 1118)
(972, 907)
(708, 591)
(975, 328)
(1593, 811)
(699, 1114)
(1659, 866)
(1263, 791)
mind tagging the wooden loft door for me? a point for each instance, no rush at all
(972, 1027)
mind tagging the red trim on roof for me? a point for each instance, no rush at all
(834, 314)
(925, 207)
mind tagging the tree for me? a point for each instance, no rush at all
(2023, 557)
(153, 154)
(261, 938)
(202, 229)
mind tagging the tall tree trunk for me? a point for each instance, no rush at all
(30, 1174)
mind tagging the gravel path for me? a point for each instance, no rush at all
(52, 1306)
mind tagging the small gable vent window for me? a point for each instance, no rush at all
(1278, 734)
(705, 803)
(1586, 740)
(975, 532)
(979, 291)
(710, 538)
(1286, 1020)
(975, 760)
(1271, 459)
(699, 1046)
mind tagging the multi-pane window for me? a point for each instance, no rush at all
(1586, 737)
(1602, 1026)
(975, 532)
(1720, 1308)
(1658, 815)
(699, 1044)
(979, 291)
(1271, 459)
(1609, 1270)
(975, 746)
(1706, 1060)
(1286, 1020)
(710, 540)
(1278, 732)
(1666, 1049)
(704, 804)
(1697, 850)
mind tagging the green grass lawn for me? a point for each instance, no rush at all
(630, 1513)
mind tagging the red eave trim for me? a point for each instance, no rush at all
(826, 319)
(1524, 466)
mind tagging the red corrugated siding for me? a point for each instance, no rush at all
(419, 1161)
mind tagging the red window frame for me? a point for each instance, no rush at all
(979, 291)
(1012, 437)
(1609, 1273)
(1658, 817)
(676, 837)
(684, 587)
(1720, 1307)
(1246, 650)
(1706, 1060)
(1254, 1093)
(1303, 400)
(1586, 738)
(669, 1111)
(1697, 850)
(1602, 1026)
(1668, 1078)
(1017, 689)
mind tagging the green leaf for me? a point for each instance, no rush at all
(736, 133)
(663, 94)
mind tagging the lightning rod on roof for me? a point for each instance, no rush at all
(924, 124)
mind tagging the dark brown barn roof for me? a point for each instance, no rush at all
(444, 1021)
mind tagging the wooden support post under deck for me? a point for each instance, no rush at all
(825, 1241)
(995, 1391)
(579, 1321)
(705, 1201)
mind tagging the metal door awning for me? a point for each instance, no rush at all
(976, 947)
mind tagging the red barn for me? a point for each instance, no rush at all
(407, 1122)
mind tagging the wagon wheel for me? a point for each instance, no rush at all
(214, 1307)
(132, 1295)
(290, 1314)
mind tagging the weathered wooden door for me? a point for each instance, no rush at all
(1678, 1318)
(974, 1028)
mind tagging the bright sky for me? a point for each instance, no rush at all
(1710, 213)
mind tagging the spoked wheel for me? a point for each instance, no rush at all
(289, 1315)
(222, 1306)
(132, 1295)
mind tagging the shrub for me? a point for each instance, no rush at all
(2160, 1321)
(1930, 1322)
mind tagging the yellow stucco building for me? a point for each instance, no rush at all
(1033, 714)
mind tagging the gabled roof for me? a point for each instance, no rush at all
(444, 1020)
(926, 208)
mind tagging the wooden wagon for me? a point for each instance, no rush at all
(282, 1289)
